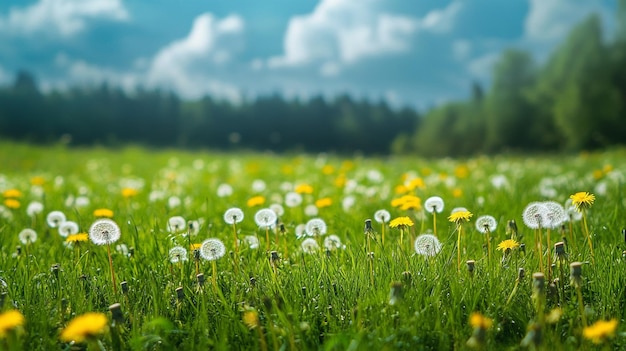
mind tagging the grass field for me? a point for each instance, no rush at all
(301, 290)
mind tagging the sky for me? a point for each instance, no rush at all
(416, 53)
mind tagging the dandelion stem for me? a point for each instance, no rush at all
(214, 266)
(512, 292)
(383, 234)
(587, 235)
(488, 246)
(267, 238)
(539, 249)
(458, 247)
(111, 268)
(549, 254)
(435, 221)
(581, 307)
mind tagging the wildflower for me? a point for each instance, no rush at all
(233, 215)
(224, 190)
(195, 246)
(427, 245)
(55, 218)
(304, 189)
(309, 245)
(129, 192)
(600, 331)
(12, 194)
(178, 254)
(554, 315)
(278, 209)
(37, 180)
(535, 215)
(486, 223)
(104, 232)
(323, 202)
(103, 213)
(12, 204)
(256, 201)
(382, 216)
(332, 242)
(252, 241)
(193, 226)
(315, 226)
(10, 320)
(34, 208)
(293, 199)
(265, 218)
(85, 327)
(251, 319)
(27, 236)
(477, 320)
(582, 200)
(67, 228)
(173, 201)
(508, 244)
(556, 214)
(212, 249)
(480, 324)
(434, 204)
(401, 222)
(460, 217)
(176, 224)
(76, 238)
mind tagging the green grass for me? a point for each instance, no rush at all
(327, 301)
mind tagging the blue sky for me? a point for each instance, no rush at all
(407, 52)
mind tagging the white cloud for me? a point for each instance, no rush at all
(181, 65)
(461, 49)
(442, 21)
(480, 68)
(60, 17)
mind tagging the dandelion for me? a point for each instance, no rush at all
(177, 254)
(55, 218)
(332, 242)
(68, 228)
(600, 331)
(85, 327)
(252, 241)
(480, 324)
(304, 189)
(427, 245)
(507, 245)
(278, 209)
(27, 236)
(266, 219)
(315, 227)
(486, 224)
(34, 208)
(12, 204)
(583, 201)
(106, 232)
(459, 218)
(10, 320)
(309, 245)
(224, 190)
(77, 238)
(293, 199)
(129, 192)
(193, 226)
(555, 217)
(382, 216)
(401, 223)
(103, 213)
(211, 250)
(535, 217)
(258, 185)
(11, 194)
(323, 202)
(176, 224)
(233, 216)
(311, 210)
(256, 201)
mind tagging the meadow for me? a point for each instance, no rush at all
(301, 267)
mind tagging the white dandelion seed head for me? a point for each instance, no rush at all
(252, 241)
(173, 201)
(434, 204)
(315, 227)
(81, 201)
(104, 232)
(122, 248)
(233, 215)
(265, 218)
(178, 254)
(224, 190)
(212, 249)
(556, 214)
(499, 181)
(486, 223)
(348, 202)
(27, 236)
(176, 224)
(458, 209)
(258, 185)
(600, 188)
(278, 209)
(311, 210)
(300, 231)
(427, 245)
(535, 215)
(309, 245)
(156, 195)
(193, 226)
(382, 216)
(68, 228)
(375, 176)
(34, 208)
(571, 212)
(332, 242)
(293, 199)
(55, 218)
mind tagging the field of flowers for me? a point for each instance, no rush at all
(142, 250)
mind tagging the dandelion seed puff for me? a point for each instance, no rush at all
(27, 236)
(233, 215)
(556, 214)
(311, 210)
(293, 199)
(173, 202)
(382, 216)
(55, 218)
(178, 254)
(348, 202)
(104, 232)
(499, 181)
(486, 223)
(34, 208)
(535, 215)
(434, 204)
(315, 227)
(81, 201)
(194, 226)
(252, 241)
(176, 224)
(332, 242)
(265, 218)
(212, 249)
(258, 185)
(278, 209)
(309, 245)
(571, 211)
(68, 228)
(300, 231)
(122, 248)
(427, 245)
(224, 190)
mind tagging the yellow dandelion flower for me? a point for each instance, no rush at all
(582, 200)
(508, 244)
(304, 189)
(600, 331)
(195, 246)
(103, 212)
(37, 180)
(10, 320)
(416, 183)
(251, 319)
(477, 320)
(256, 201)
(401, 189)
(340, 181)
(12, 203)
(461, 171)
(129, 192)
(76, 238)
(323, 202)
(554, 315)
(328, 169)
(401, 222)
(460, 217)
(286, 170)
(86, 326)
(411, 203)
(598, 174)
(457, 193)
(607, 168)
(12, 194)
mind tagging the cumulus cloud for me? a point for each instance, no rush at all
(60, 17)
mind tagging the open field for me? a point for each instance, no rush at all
(354, 292)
